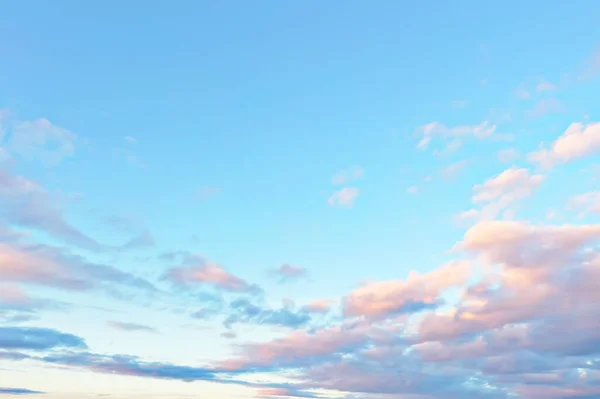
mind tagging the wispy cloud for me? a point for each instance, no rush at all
(344, 197)
(348, 175)
(125, 326)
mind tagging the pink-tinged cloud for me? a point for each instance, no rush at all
(418, 291)
(207, 272)
(27, 204)
(319, 306)
(299, 348)
(52, 267)
(532, 272)
(578, 141)
(13, 295)
(586, 203)
(289, 272)
(502, 192)
(344, 197)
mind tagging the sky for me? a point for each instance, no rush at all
(300, 199)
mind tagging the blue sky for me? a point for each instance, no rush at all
(198, 183)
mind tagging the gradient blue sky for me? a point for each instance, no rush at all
(237, 156)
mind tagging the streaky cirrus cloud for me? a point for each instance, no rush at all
(344, 197)
(134, 327)
(417, 292)
(432, 130)
(27, 204)
(578, 141)
(198, 270)
(348, 175)
(43, 265)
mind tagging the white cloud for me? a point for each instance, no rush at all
(452, 170)
(42, 140)
(344, 197)
(437, 129)
(508, 155)
(498, 194)
(586, 203)
(348, 175)
(579, 140)
(130, 139)
(544, 85)
(544, 107)
(522, 93)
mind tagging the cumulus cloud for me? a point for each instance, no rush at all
(417, 292)
(344, 197)
(348, 175)
(578, 141)
(508, 155)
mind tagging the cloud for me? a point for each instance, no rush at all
(344, 197)
(243, 311)
(129, 139)
(124, 326)
(508, 155)
(27, 204)
(587, 203)
(41, 140)
(499, 193)
(319, 306)
(544, 85)
(451, 171)
(18, 391)
(287, 272)
(543, 107)
(522, 93)
(37, 339)
(578, 141)
(197, 270)
(43, 265)
(348, 175)
(436, 129)
(284, 393)
(417, 292)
